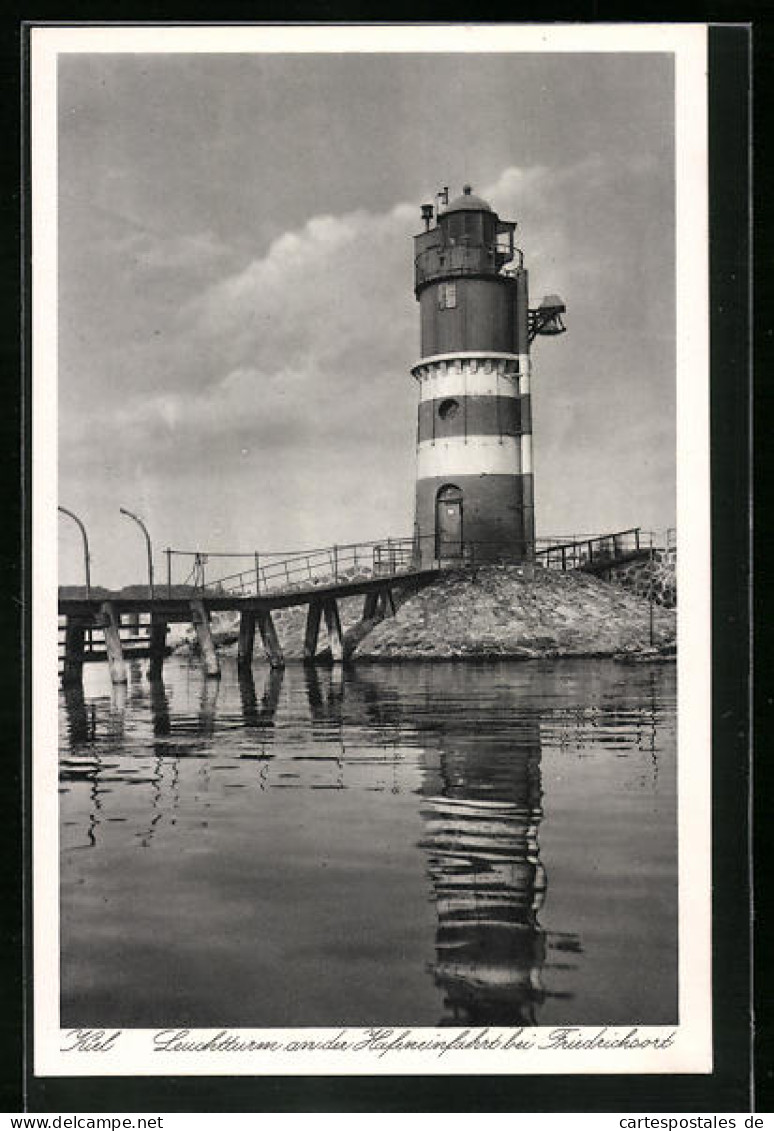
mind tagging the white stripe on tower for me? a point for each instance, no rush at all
(474, 455)
(526, 437)
(479, 375)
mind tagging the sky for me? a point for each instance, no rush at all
(237, 321)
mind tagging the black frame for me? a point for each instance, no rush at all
(729, 1086)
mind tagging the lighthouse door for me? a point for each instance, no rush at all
(448, 523)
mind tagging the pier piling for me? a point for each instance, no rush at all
(270, 639)
(72, 670)
(312, 630)
(111, 622)
(201, 621)
(157, 641)
(333, 625)
(370, 606)
(246, 640)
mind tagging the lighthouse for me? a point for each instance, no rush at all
(474, 490)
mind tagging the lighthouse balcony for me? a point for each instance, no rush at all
(441, 262)
(470, 362)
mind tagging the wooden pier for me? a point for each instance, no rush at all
(384, 573)
(118, 640)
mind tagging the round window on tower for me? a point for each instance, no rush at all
(448, 409)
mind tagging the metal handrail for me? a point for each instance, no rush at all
(589, 551)
(272, 572)
(275, 572)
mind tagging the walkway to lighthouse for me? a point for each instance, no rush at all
(117, 627)
(102, 626)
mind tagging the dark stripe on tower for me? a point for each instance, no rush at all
(528, 507)
(470, 416)
(497, 515)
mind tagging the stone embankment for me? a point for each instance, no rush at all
(499, 613)
(656, 576)
(496, 612)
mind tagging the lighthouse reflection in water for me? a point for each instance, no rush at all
(424, 844)
(483, 809)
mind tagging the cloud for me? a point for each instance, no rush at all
(309, 343)
(333, 295)
(305, 346)
(197, 253)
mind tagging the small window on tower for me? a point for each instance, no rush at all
(448, 409)
(447, 296)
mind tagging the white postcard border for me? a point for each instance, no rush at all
(687, 1048)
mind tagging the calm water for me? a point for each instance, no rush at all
(421, 844)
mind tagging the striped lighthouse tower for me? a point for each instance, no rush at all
(474, 493)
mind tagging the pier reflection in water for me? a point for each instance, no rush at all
(420, 844)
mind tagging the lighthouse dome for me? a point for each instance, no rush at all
(468, 202)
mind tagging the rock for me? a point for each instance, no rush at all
(499, 613)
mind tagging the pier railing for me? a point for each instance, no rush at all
(266, 574)
(584, 553)
(192, 573)
(270, 573)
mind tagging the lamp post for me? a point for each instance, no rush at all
(86, 555)
(144, 529)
